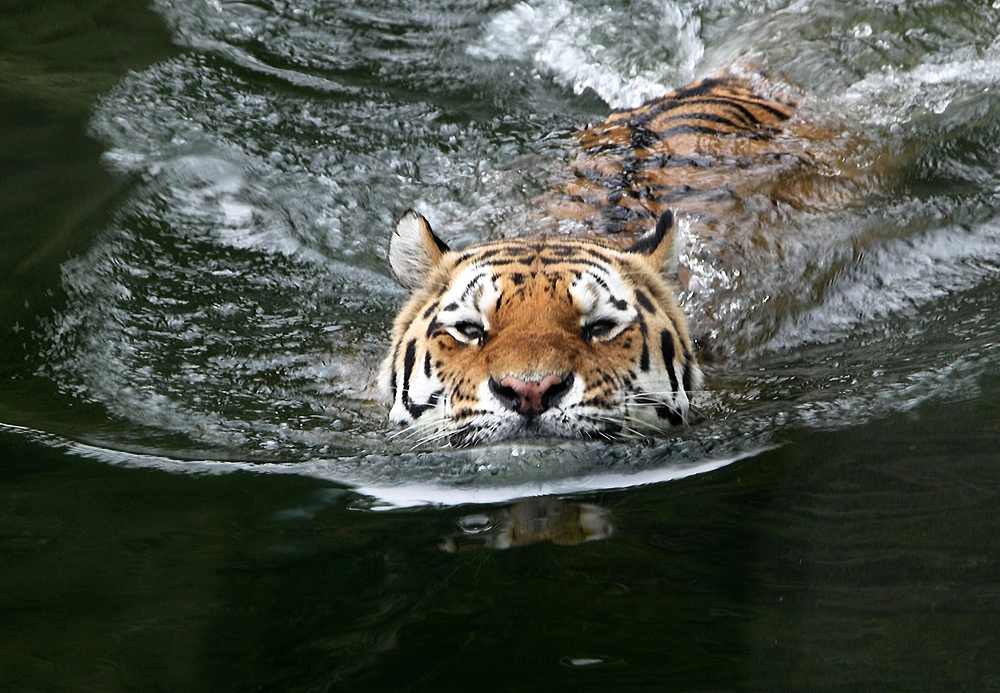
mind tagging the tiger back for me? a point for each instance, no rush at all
(716, 150)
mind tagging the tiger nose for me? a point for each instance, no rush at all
(530, 397)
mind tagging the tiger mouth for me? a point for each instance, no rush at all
(534, 427)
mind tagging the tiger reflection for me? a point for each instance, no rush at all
(531, 521)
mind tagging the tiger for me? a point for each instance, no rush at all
(575, 331)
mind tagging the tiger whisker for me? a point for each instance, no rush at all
(627, 432)
(624, 425)
(421, 433)
(650, 394)
(440, 434)
(635, 425)
(414, 429)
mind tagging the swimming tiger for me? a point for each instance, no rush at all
(576, 331)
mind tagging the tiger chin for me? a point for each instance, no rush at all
(552, 336)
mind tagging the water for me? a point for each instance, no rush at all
(198, 489)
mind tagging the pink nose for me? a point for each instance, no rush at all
(530, 396)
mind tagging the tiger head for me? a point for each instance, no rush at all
(548, 336)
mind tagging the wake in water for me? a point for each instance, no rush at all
(238, 305)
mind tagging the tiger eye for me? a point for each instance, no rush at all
(472, 330)
(598, 328)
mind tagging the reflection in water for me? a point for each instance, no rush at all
(530, 521)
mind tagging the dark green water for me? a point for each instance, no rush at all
(194, 201)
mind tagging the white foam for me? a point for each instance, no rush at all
(888, 94)
(625, 61)
(895, 277)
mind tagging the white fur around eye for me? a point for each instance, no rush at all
(606, 298)
(585, 293)
(468, 300)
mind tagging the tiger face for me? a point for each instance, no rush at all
(558, 336)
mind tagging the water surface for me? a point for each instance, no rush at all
(196, 472)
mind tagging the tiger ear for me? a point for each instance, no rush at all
(659, 245)
(414, 250)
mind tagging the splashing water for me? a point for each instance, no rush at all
(238, 305)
